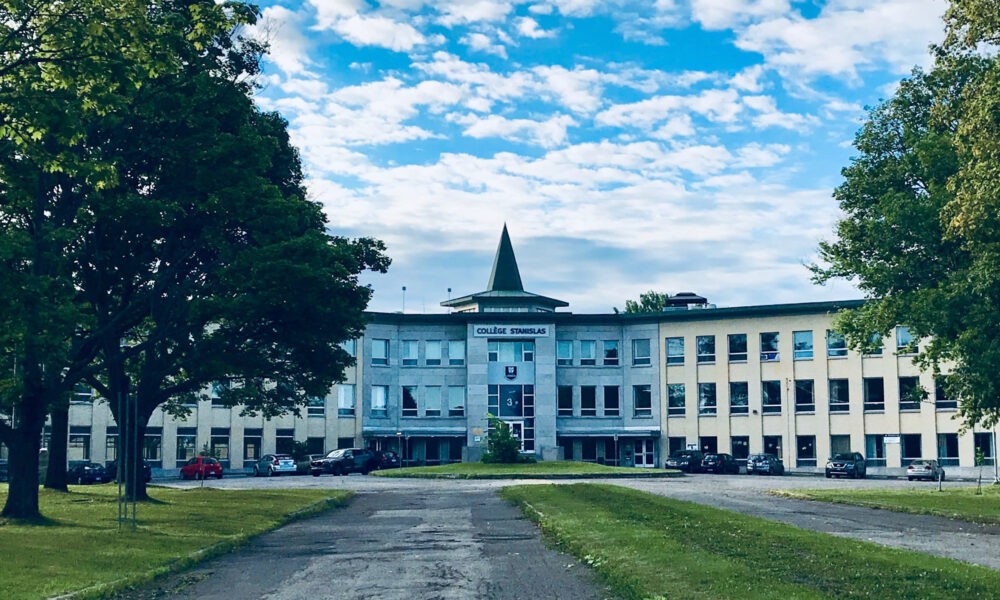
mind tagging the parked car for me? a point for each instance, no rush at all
(84, 472)
(112, 469)
(720, 463)
(925, 469)
(344, 461)
(688, 461)
(765, 464)
(387, 459)
(275, 464)
(847, 464)
(201, 467)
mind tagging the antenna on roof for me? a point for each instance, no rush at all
(404, 298)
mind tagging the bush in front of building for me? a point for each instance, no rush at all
(502, 446)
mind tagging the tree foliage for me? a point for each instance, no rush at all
(921, 232)
(651, 301)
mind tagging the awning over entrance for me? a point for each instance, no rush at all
(604, 433)
(414, 432)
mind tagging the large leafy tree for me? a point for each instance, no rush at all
(651, 301)
(920, 210)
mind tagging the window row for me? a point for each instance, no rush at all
(421, 401)
(588, 353)
(589, 401)
(435, 352)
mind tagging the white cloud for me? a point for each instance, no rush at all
(282, 28)
(378, 31)
(482, 43)
(727, 14)
(328, 12)
(463, 12)
(748, 80)
(768, 115)
(528, 27)
(548, 133)
(578, 90)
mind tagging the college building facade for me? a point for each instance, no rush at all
(620, 389)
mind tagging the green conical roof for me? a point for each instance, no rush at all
(505, 276)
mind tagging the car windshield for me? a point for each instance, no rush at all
(282, 456)
(712, 457)
(920, 463)
(335, 453)
(843, 456)
(683, 454)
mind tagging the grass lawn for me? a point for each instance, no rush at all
(956, 503)
(648, 546)
(79, 546)
(541, 470)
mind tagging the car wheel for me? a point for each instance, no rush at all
(270, 471)
(828, 476)
(909, 479)
(315, 473)
(942, 476)
(220, 474)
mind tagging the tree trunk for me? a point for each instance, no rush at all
(135, 480)
(55, 475)
(25, 441)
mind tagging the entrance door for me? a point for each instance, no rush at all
(517, 430)
(644, 452)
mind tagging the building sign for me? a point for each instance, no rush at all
(891, 438)
(510, 331)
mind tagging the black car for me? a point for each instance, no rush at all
(765, 464)
(387, 459)
(688, 461)
(847, 464)
(112, 468)
(344, 461)
(85, 472)
(720, 463)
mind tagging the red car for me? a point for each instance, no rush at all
(201, 467)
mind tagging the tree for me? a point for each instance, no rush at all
(651, 301)
(502, 446)
(906, 239)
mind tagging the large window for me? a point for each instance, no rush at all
(910, 393)
(456, 353)
(675, 351)
(874, 345)
(79, 443)
(284, 440)
(911, 447)
(769, 346)
(675, 399)
(564, 353)
(432, 401)
(349, 346)
(948, 449)
(611, 401)
(770, 392)
(316, 407)
(409, 353)
(943, 400)
(345, 399)
(456, 401)
(737, 347)
(706, 399)
(588, 353)
(640, 353)
(152, 446)
(642, 401)
(508, 352)
(187, 443)
(805, 396)
(380, 352)
(836, 344)
(905, 344)
(739, 397)
(219, 444)
(380, 394)
(432, 353)
(805, 446)
(82, 393)
(874, 394)
(740, 447)
(565, 393)
(984, 447)
(409, 400)
(252, 441)
(610, 353)
(706, 348)
(875, 450)
(802, 345)
(840, 399)
(588, 401)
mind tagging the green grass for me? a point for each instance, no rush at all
(78, 546)
(540, 470)
(647, 546)
(954, 503)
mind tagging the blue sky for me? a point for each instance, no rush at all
(675, 145)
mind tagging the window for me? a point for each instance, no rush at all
(345, 399)
(252, 441)
(349, 346)
(737, 347)
(345, 442)
(805, 446)
(985, 449)
(675, 351)
(610, 353)
(769, 346)
(564, 353)
(79, 443)
(740, 447)
(380, 352)
(611, 401)
(642, 400)
(316, 407)
(284, 441)
(432, 401)
(873, 347)
(911, 447)
(379, 395)
(875, 450)
(640, 352)
(456, 401)
(509, 352)
(772, 445)
(709, 444)
(409, 353)
(839, 396)
(588, 353)
(836, 345)
(83, 393)
(432, 353)
(943, 400)
(409, 400)
(675, 399)
(152, 445)
(218, 389)
(770, 392)
(948, 449)
(905, 344)
(565, 400)
(675, 444)
(874, 394)
(706, 399)
(739, 397)
(840, 444)
(802, 345)
(910, 393)
(805, 396)
(588, 449)
(456, 353)
(706, 348)
(187, 443)
(588, 401)
(314, 445)
(219, 444)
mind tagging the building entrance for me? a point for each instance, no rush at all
(644, 453)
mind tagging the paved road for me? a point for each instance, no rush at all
(456, 542)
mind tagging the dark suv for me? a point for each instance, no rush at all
(688, 461)
(344, 461)
(848, 464)
(720, 463)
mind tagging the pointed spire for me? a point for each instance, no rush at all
(505, 275)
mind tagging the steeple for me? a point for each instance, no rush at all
(505, 276)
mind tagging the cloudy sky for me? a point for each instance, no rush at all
(675, 145)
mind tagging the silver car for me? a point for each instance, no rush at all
(274, 464)
(925, 469)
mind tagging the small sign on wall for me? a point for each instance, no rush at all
(477, 439)
(892, 438)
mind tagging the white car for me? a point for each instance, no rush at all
(275, 464)
(925, 469)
